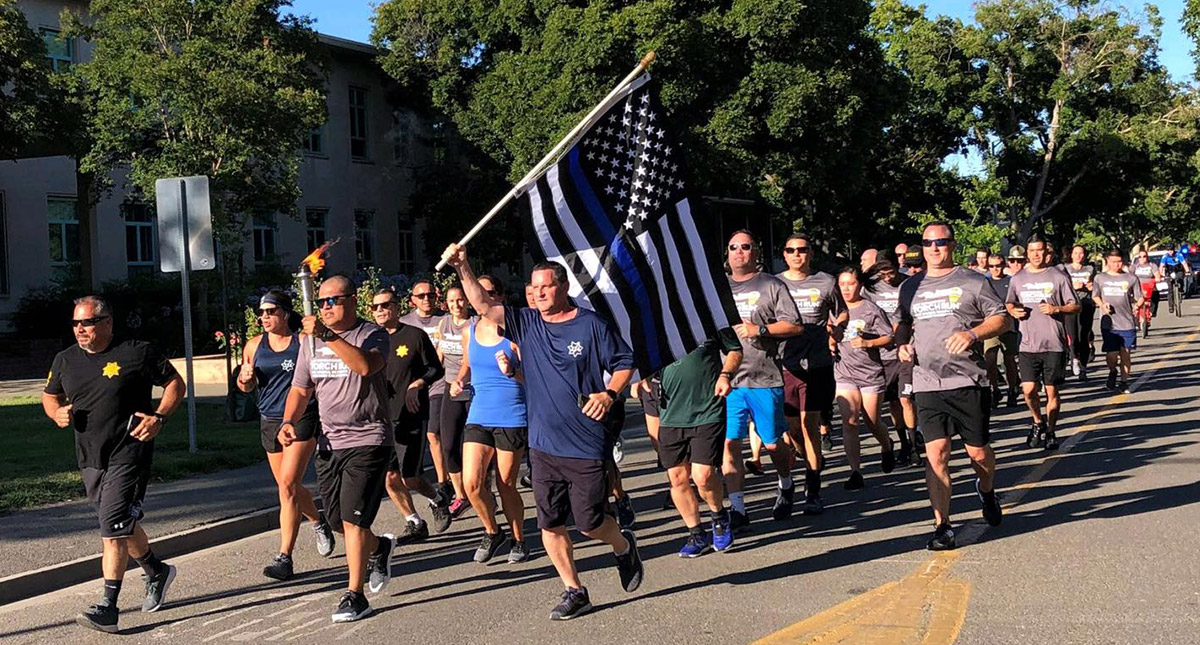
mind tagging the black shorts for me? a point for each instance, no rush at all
(810, 390)
(703, 444)
(565, 486)
(117, 493)
(649, 400)
(965, 412)
(308, 427)
(891, 380)
(409, 453)
(1046, 368)
(351, 482)
(433, 424)
(905, 382)
(506, 439)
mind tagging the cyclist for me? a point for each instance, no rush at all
(1174, 267)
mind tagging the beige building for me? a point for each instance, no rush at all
(358, 172)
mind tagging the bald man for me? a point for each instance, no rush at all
(868, 258)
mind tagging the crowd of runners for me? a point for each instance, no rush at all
(907, 341)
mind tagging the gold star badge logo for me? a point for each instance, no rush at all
(402, 351)
(112, 370)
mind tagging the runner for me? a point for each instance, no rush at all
(1007, 343)
(859, 373)
(982, 255)
(914, 262)
(268, 364)
(885, 292)
(944, 313)
(565, 351)
(1148, 274)
(768, 314)
(344, 367)
(101, 387)
(496, 429)
(901, 251)
(1082, 273)
(1015, 260)
(427, 317)
(692, 436)
(1117, 295)
(412, 365)
(1039, 296)
(458, 393)
(808, 381)
(868, 259)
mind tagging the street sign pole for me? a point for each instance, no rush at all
(187, 318)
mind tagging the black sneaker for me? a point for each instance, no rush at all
(575, 603)
(280, 568)
(754, 467)
(101, 617)
(352, 607)
(991, 506)
(629, 566)
(490, 545)
(887, 462)
(738, 522)
(413, 533)
(379, 565)
(1111, 382)
(1036, 432)
(942, 540)
(783, 503)
(156, 588)
(441, 516)
(626, 517)
(1051, 442)
(905, 454)
(1012, 399)
(519, 553)
(826, 443)
(997, 398)
(325, 540)
(812, 505)
(525, 481)
(1123, 386)
(855, 482)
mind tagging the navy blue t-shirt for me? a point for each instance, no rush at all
(562, 361)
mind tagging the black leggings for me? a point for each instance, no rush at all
(1083, 330)
(452, 423)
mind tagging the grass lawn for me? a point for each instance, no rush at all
(37, 465)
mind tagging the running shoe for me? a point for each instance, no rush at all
(626, 517)
(1123, 386)
(575, 603)
(739, 522)
(855, 482)
(352, 607)
(888, 460)
(1051, 442)
(414, 532)
(1012, 398)
(783, 503)
(101, 617)
(1036, 432)
(826, 443)
(1111, 382)
(991, 506)
(918, 461)
(997, 397)
(519, 553)
(754, 467)
(280, 568)
(618, 452)
(629, 565)
(325, 539)
(942, 540)
(1083, 374)
(490, 545)
(905, 454)
(379, 566)
(697, 544)
(722, 535)
(157, 586)
(812, 504)
(441, 517)
(458, 507)
(525, 480)
(1076, 368)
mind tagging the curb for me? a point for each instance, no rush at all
(29, 584)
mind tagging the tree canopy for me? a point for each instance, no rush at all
(26, 102)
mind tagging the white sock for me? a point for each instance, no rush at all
(738, 502)
(786, 483)
(414, 518)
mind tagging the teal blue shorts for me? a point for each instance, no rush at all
(763, 406)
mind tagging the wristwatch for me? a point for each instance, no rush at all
(612, 395)
(762, 330)
(327, 335)
(162, 418)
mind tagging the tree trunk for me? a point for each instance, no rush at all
(85, 213)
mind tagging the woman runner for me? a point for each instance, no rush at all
(454, 407)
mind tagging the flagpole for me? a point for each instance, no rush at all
(552, 156)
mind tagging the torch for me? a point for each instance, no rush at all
(310, 266)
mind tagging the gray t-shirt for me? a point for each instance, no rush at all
(862, 367)
(354, 409)
(762, 300)
(1039, 332)
(1144, 272)
(888, 299)
(1122, 291)
(429, 325)
(1081, 278)
(938, 307)
(817, 298)
(449, 340)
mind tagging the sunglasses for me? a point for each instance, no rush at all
(88, 322)
(380, 306)
(1016, 260)
(491, 292)
(791, 250)
(740, 247)
(995, 266)
(937, 241)
(268, 311)
(423, 296)
(331, 301)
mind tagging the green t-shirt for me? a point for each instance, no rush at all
(687, 398)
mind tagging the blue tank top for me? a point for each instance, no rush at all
(274, 370)
(499, 400)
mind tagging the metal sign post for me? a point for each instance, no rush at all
(187, 317)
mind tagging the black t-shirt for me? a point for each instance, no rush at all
(412, 357)
(105, 389)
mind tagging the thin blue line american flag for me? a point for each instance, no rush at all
(614, 211)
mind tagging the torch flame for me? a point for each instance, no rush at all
(315, 260)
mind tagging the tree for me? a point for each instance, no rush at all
(26, 100)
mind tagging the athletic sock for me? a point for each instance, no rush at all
(150, 563)
(321, 521)
(112, 589)
(628, 545)
(697, 530)
(738, 502)
(785, 482)
(414, 518)
(812, 482)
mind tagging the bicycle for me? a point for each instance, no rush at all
(1175, 294)
(1146, 312)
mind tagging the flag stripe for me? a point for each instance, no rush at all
(546, 241)
(683, 286)
(650, 252)
(720, 300)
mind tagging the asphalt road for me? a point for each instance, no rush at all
(1098, 545)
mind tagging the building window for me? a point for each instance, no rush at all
(64, 231)
(364, 237)
(314, 142)
(358, 123)
(401, 137)
(408, 264)
(438, 144)
(139, 239)
(60, 52)
(264, 238)
(3, 247)
(315, 226)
